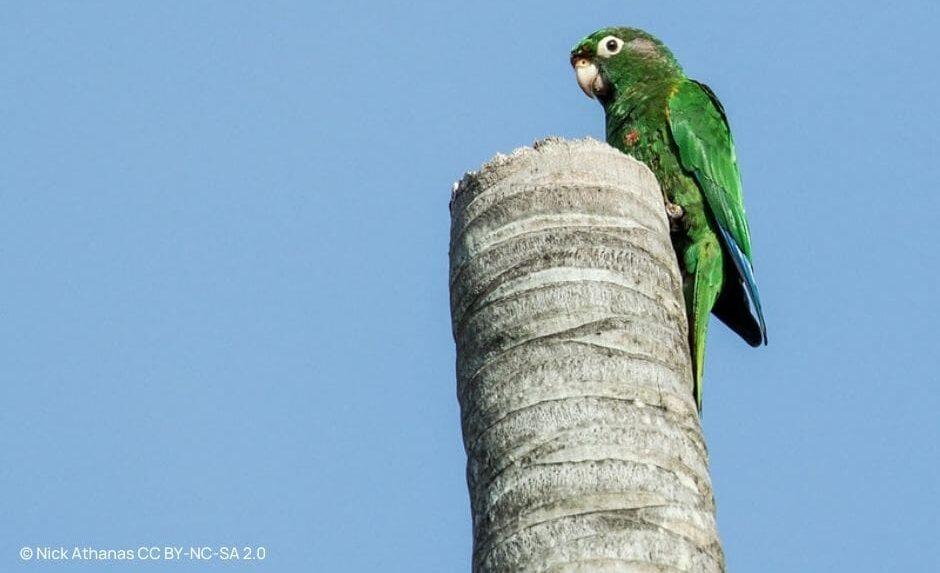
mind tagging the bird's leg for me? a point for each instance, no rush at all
(673, 211)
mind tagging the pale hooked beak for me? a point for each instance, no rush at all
(589, 77)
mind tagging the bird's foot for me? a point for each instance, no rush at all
(673, 211)
(675, 214)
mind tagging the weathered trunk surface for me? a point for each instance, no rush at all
(584, 450)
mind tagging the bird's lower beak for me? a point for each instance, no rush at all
(589, 77)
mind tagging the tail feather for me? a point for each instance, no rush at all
(707, 258)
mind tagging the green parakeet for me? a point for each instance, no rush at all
(678, 128)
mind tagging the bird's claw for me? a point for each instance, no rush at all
(673, 211)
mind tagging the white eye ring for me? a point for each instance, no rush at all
(609, 46)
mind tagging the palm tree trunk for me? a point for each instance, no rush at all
(584, 450)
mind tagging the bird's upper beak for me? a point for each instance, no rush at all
(589, 77)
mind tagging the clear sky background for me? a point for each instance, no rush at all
(223, 271)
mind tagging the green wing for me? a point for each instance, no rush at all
(700, 130)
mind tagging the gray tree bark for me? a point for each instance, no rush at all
(584, 450)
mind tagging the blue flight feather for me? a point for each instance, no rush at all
(746, 270)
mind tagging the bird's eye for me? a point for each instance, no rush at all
(609, 46)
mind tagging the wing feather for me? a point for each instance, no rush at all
(700, 130)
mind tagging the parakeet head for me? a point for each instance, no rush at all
(615, 59)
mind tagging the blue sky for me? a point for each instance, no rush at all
(223, 250)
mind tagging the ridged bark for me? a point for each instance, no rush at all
(584, 450)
